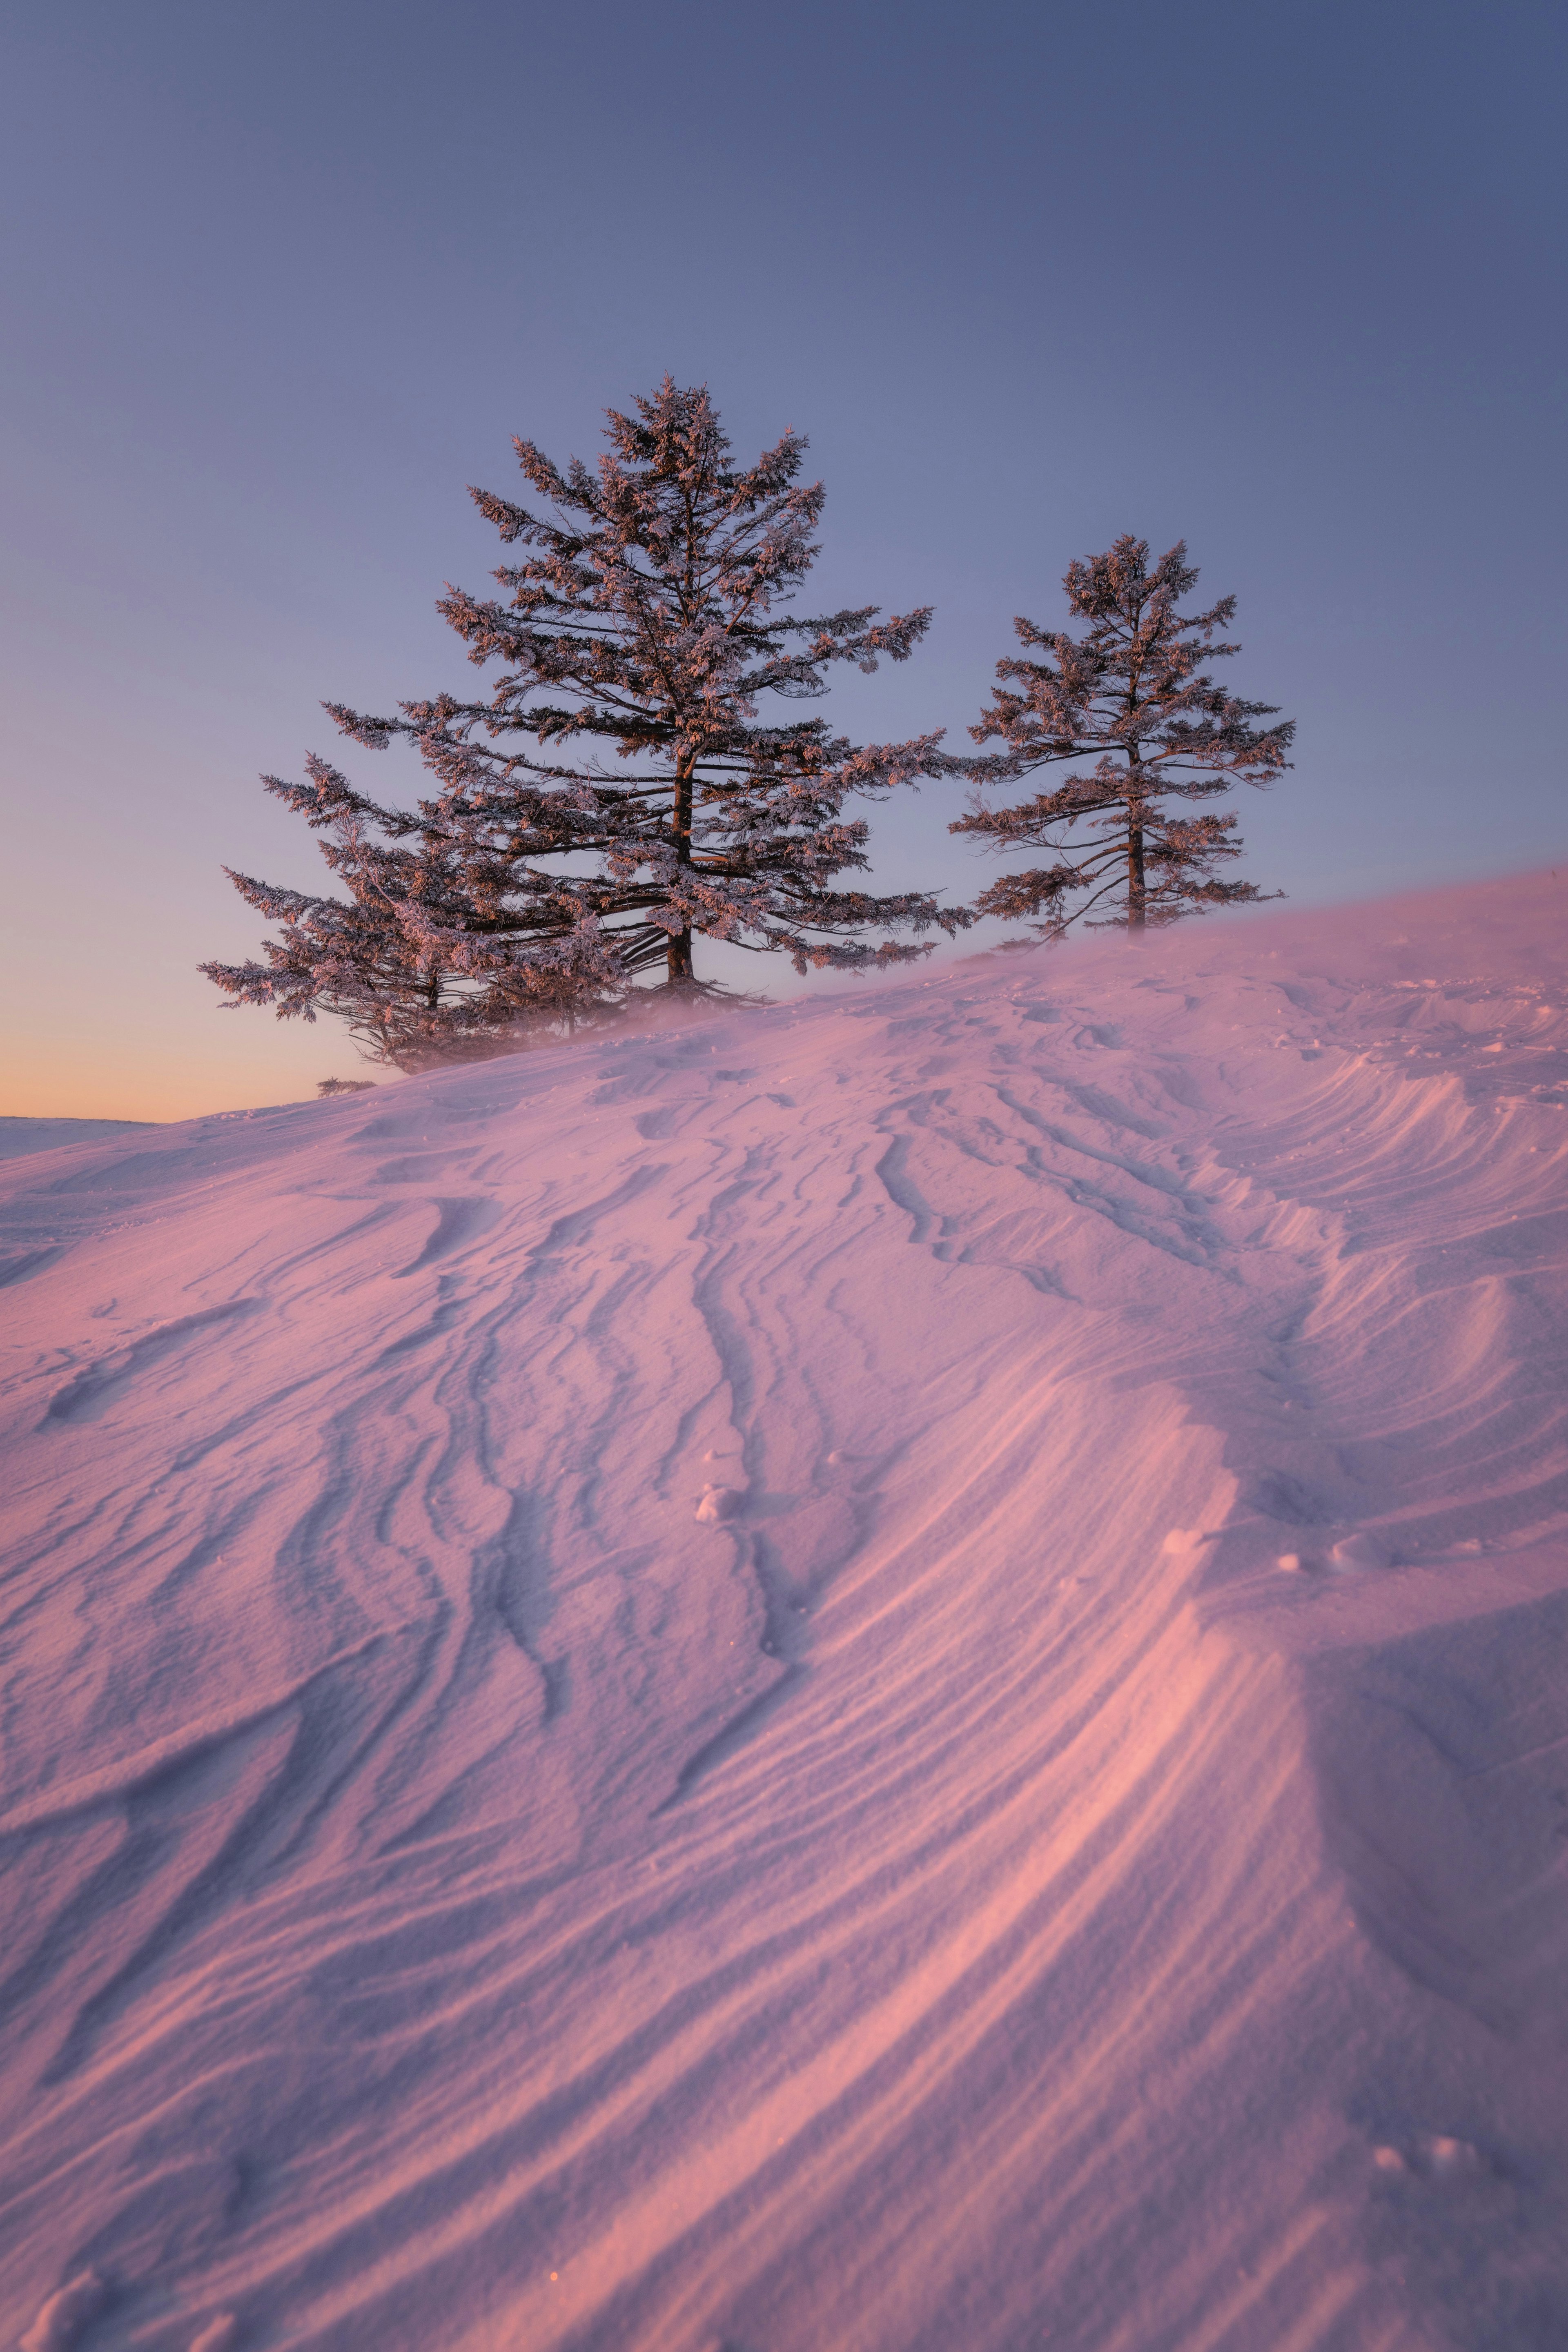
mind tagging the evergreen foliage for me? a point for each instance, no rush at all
(407, 958)
(1131, 689)
(537, 880)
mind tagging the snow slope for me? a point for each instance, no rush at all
(887, 1673)
(20, 1137)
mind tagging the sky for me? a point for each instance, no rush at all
(279, 283)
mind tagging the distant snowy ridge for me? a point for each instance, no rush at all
(886, 1674)
(21, 1136)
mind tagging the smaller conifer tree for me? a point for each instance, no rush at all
(417, 959)
(1129, 694)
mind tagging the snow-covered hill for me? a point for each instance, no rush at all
(888, 1673)
(19, 1138)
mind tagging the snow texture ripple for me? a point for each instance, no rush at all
(887, 1673)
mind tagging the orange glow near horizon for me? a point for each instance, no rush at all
(54, 1078)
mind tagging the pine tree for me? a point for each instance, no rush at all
(408, 959)
(1131, 690)
(645, 621)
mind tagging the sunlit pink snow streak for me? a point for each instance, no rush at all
(466, 1886)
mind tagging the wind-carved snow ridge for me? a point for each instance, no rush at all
(886, 1673)
(95, 1389)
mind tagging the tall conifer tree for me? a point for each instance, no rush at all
(645, 621)
(1131, 690)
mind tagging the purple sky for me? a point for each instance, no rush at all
(1286, 282)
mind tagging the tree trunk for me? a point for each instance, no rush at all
(678, 968)
(1137, 896)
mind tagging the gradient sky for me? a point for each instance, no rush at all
(1284, 281)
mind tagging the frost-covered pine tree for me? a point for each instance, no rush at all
(410, 958)
(1132, 691)
(633, 779)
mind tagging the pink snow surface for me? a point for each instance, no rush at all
(886, 1674)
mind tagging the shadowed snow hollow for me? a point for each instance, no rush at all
(887, 1673)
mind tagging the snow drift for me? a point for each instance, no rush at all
(883, 1674)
